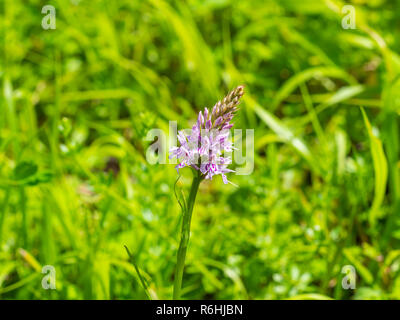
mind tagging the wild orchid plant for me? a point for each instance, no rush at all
(203, 151)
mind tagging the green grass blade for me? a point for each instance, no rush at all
(380, 169)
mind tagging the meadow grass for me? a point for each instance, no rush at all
(77, 103)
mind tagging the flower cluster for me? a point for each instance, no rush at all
(204, 147)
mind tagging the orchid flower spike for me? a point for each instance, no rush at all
(204, 148)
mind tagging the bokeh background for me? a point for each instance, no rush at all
(76, 105)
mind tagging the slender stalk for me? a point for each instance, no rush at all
(3, 210)
(185, 235)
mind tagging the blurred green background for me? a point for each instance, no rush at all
(77, 103)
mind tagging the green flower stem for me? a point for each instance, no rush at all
(185, 235)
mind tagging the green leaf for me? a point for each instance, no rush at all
(290, 85)
(343, 94)
(26, 173)
(40, 177)
(25, 170)
(380, 169)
